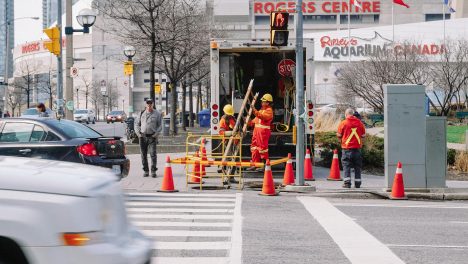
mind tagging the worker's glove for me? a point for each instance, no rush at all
(228, 133)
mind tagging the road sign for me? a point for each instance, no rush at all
(69, 105)
(285, 67)
(128, 68)
(157, 88)
(74, 72)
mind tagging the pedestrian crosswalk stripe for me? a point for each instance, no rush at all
(181, 194)
(186, 233)
(142, 225)
(183, 260)
(178, 210)
(182, 199)
(180, 216)
(194, 204)
(192, 245)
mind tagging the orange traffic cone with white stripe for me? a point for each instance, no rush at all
(268, 188)
(288, 178)
(167, 184)
(203, 154)
(335, 168)
(195, 176)
(308, 172)
(398, 189)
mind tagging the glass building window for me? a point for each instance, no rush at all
(319, 19)
(147, 80)
(435, 17)
(360, 19)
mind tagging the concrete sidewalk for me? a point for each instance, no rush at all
(372, 186)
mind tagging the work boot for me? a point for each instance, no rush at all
(145, 174)
(347, 185)
(357, 185)
(153, 174)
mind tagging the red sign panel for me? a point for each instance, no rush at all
(285, 67)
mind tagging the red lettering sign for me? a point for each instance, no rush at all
(285, 67)
(30, 47)
(309, 7)
(338, 42)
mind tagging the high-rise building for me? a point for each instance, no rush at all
(49, 11)
(6, 25)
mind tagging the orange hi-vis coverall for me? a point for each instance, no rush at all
(227, 123)
(261, 134)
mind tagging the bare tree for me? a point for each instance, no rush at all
(49, 86)
(87, 87)
(136, 23)
(96, 98)
(27, 71)
(450, 75)
(366, 79)
(15, 99)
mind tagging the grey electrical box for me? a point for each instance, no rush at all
(436, 151)
(405, 133)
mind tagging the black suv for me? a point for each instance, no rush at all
(63, 140)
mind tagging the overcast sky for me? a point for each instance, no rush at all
(27, 29)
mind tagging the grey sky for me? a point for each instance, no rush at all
(27, 30)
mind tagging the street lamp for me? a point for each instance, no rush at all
(129, 52)
(7, 53)
(86, 19)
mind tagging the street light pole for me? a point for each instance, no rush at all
(129, 52)
(69, 61)
(59, 62)
(300, 150)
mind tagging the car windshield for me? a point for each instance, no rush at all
(81, 111)
(73, 129)
(30, 111)
(115, 113)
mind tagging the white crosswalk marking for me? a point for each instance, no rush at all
(189, 228)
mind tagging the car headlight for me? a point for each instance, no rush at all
(82, 239)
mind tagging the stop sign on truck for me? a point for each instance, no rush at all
(285, 67)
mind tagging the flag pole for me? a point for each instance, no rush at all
(443, 18)
(393, 23)
(349, 30)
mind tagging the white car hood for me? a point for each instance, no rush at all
(49, 176)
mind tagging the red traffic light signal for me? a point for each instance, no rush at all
(279, 28)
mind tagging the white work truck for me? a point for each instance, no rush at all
(235, 62)
(62, 212)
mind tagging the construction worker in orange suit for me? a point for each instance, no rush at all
(351, 131)
(261, 132)
(227, 123)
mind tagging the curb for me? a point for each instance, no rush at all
(384, 195)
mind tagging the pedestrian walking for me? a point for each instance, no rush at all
(351, 131)
(147, 128)
(41, 109)
(261, 133)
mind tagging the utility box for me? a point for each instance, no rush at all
(436, 151)
(405, 133)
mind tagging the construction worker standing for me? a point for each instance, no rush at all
(227, 123)
(351, 131)
(261, 132)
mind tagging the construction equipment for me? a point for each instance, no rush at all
(245, 113)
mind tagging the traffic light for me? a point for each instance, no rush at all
(54, 44)
(310, 117)
(279, 28)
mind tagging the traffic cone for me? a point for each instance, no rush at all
(195, 176)
(308, 173)
(203, 154)
(167, 182)
(335, 168)
(398, 189)
(288, 178)
(268, 188)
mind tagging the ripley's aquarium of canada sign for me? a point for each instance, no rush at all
(356, 49)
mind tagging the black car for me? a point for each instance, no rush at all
(63, 140)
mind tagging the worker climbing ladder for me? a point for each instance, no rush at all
(245, 112)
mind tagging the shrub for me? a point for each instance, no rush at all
(325, 122)
(372, 150)
(451, 153)
(461, 161)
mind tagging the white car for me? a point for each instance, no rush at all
(84, 115)
(333, 108)
(33, 113)
(60, 212)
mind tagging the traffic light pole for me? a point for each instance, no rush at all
(59, 62)
(69, 62)
(300, 149)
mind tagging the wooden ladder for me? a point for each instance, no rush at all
(245, 113)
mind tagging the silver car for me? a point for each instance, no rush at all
(84, 115)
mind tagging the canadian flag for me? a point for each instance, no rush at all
(355, 3)
(400, 2)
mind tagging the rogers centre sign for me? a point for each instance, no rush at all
(311, 7)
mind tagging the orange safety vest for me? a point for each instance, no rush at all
(352, 131)
(227, 123)
(261, 133)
